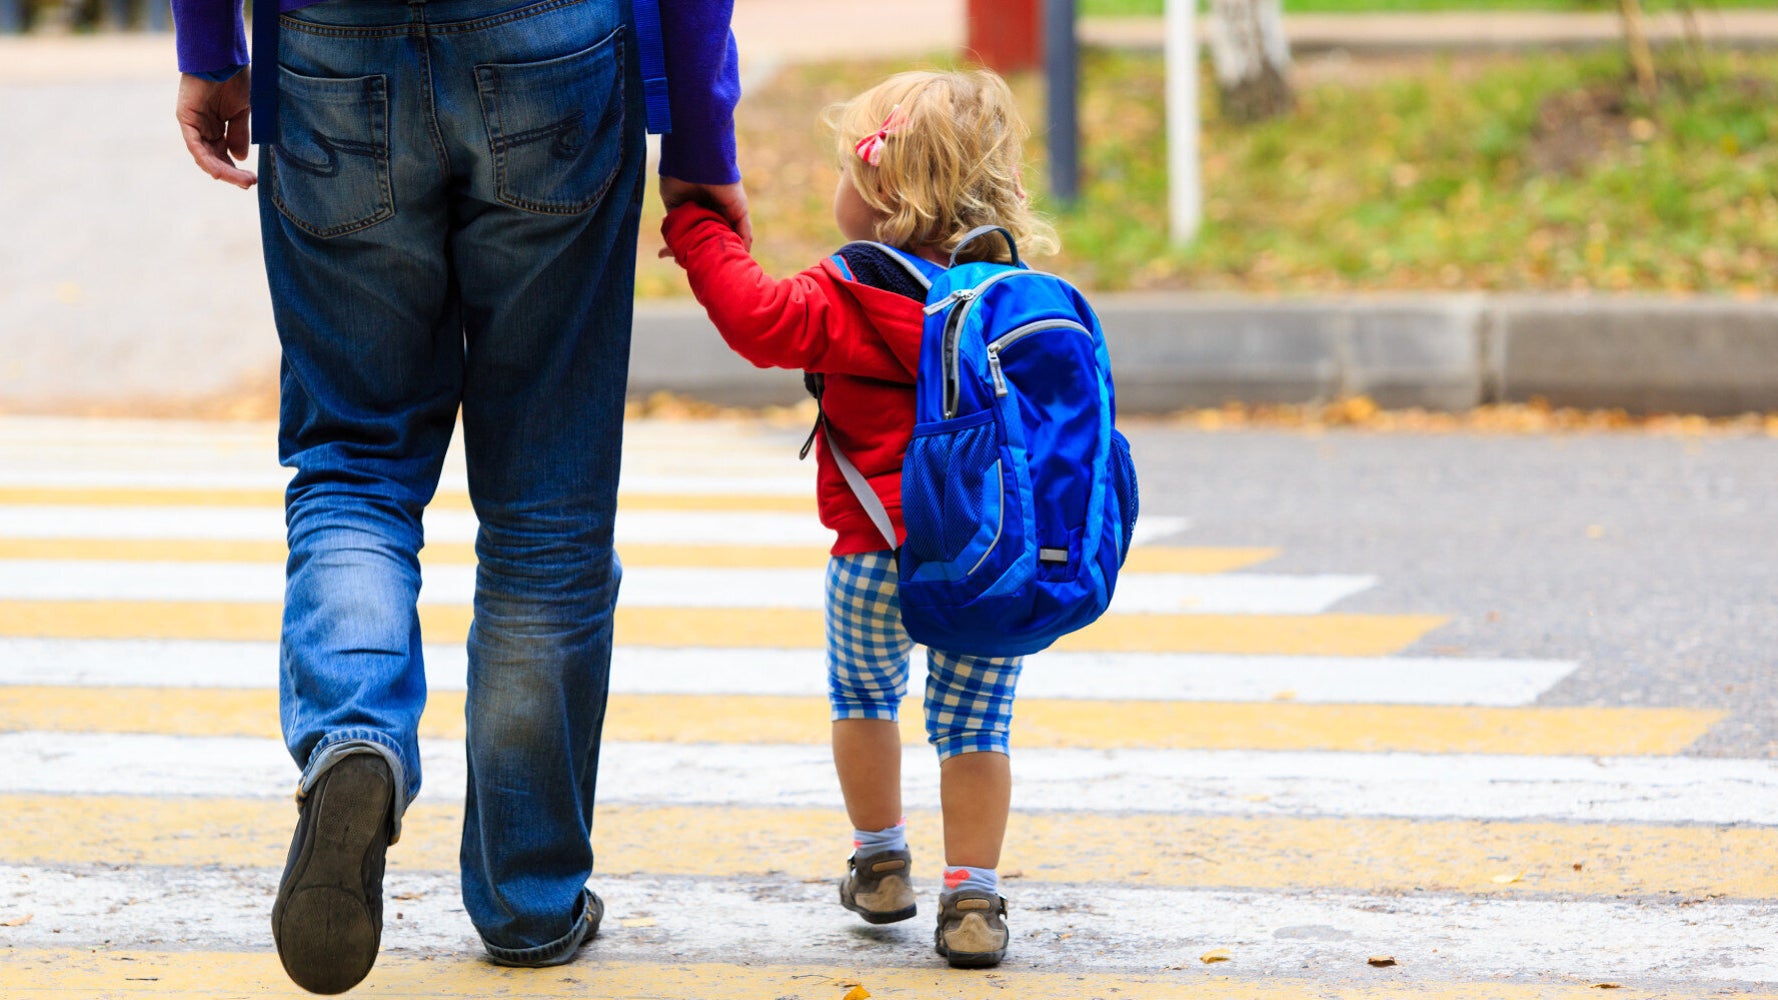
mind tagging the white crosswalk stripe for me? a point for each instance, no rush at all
(802, 672)
(1241, 783)
(1099, 928)
(1148, 593)
(442, 525)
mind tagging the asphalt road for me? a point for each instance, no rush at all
(1650, 559)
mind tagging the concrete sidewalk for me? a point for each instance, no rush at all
(1452, 352)
(127, 275)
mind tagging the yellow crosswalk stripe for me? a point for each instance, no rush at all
(1475, 857)
(750, 628)
(157, 496)
(1038, 722)
(1142, 559)
(81, 974)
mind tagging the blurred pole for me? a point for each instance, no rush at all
(158, 16)
(1185, 188)
(117, 14)
(12, 16)
(1062, 67)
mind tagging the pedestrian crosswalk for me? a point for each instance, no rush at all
(1228, 762)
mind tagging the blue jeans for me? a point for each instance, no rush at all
(450, 222)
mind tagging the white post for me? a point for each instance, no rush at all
(1185, 193)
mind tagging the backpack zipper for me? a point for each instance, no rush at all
(994, 370)
(954, 325)
(1004, 341)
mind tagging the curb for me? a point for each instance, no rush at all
(1715, 357)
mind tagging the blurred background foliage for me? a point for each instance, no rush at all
(1546, 171)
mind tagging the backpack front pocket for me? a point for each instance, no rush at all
(330, 167)
(954, 496)
(556, 127)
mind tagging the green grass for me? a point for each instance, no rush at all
(1152, 8)
(1432, 180)
(1418, 175)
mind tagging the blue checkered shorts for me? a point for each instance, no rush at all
(968, 698)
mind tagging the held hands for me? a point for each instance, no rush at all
(213, 119)
(726, 200)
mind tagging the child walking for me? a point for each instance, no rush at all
(925, 158)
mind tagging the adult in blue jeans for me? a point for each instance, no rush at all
(449, 215)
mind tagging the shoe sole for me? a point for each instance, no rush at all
(326, 935)
(974, 960)
(876, 916)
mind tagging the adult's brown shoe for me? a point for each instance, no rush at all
(328, 919)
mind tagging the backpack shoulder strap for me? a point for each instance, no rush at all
(867, 497)
(652, 55)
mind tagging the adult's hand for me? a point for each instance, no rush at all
(727, 200)
(213, 119)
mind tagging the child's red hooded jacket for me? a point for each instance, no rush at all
(864, 340)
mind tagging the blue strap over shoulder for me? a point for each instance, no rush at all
(652, 52)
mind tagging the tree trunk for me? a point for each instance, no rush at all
(1642, 58)
(1252, 58)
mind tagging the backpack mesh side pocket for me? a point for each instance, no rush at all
(1123, 482)
(953, 493)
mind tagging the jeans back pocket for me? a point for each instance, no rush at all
(330, 166)
(555, 127)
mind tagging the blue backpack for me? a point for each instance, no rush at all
(1018, 494)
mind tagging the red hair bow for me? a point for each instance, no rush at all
(870, 148)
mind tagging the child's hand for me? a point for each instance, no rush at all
(726, 200)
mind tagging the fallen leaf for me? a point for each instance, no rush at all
(638, 922)
(856, 993)
(17, 921)
(1219, 955)
(1608, 986)
(1380, 961)
(1507, 879)
(1578, 866)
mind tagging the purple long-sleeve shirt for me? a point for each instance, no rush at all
(703, 75)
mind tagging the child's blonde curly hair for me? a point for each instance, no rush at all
(950, 164)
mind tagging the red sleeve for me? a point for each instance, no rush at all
(805, 321)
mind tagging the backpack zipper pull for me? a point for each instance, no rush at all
(994, 370)
(960, 295)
